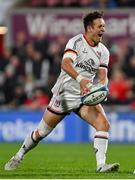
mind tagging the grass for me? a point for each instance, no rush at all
(67, 161)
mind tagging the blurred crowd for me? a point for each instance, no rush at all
(83, 3)
(122, 72)
(28, 70)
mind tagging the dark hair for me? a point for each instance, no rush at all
(90, 17)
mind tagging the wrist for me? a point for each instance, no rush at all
(79, 78)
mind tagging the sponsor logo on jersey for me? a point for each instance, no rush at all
(88, 65)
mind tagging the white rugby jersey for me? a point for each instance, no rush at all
(86, 61)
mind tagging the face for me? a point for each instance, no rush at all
(97, 30)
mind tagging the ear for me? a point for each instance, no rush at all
(89, 28)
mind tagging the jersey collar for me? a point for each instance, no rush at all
(88, 41)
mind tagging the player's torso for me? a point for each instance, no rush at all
(86, 64)
(88, 59)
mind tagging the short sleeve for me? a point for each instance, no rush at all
(72, 48)
(105, 58)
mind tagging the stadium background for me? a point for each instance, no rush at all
(33, 35)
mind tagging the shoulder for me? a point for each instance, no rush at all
(76, 38)
(104, 49)
(76, 41)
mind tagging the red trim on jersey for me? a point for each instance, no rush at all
(101, 137)
(103, 65)
(70, 50)
(56, 112)
(89, 41)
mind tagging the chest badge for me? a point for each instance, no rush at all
(99, 53)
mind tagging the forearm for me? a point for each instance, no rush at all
(102, 76)
(67, 66)
(103, 81)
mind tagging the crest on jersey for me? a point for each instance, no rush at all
(91, 62)
(99, 53)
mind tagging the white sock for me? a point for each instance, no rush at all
(30, 141)
(28, 144)
(100, 146)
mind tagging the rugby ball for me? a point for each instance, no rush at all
(97, 94)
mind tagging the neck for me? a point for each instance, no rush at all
(89, 40)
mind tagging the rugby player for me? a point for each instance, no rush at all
(84, 57)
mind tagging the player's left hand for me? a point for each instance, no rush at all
(84, 86)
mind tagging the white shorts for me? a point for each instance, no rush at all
(62, 104)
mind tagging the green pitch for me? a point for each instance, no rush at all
(67, 161)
